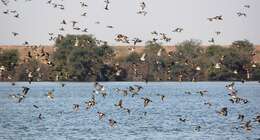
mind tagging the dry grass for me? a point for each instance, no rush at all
(121, 51)
(23, 50)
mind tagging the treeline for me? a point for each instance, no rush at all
(84, 58)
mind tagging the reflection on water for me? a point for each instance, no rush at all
(20, 121)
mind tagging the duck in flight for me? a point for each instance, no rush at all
(146, 101)
(15, 34)
(84, 14)
(182, 119)
(247, 6)
(63, 22)
(122, 38)
(85, 30)
(6, 12)
(35, 106)
(154, 33)
(178, 30)
(21, 97)
(159, 53)
(241, 117)
(142, 10)
(164, 37)
(212, 40)
(216, 18)
(98, 86)
(136, 40)
(197, 128)
(257, 119)
(127, 110)
(208, 103)
(123, 91)
(142, 5)
(24, 93)
(223, 111)
(110, 26)
(101, 115)
(135, 89)
(91, 103)
(202, 92)
(247, 126)
(25, 90)
(241, 14)
(107, 4)
(112, 123)
(50, 95)
(119, 104)
(40, 116)
(218, 32)
(161, 96)
(75, 107)
(74, 23)
(17, 15)
(83, 4)
(143, 57)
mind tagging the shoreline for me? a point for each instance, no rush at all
(127, 81)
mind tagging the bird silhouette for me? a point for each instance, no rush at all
(101, 115)
(50, 95)
(119, 104)
(241, 117)
(63, 22)
(218, 32)
(223, 111)
(127, 110)
(247, 6)
(136, 40)
(83, 4)
(241, 14)
(35, 106)
(75, 107)
(85, 30)
(107, 4)
(161, 96)
(6, 12)
(112, 122)
(212, 40)
(135, 89)
(146, 101)
(247, 126)
(202, 92)
(84, 14)
(178, 30)
(182, 119)
(15, 34)
(40, 116)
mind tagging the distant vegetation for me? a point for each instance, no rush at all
(83, 58)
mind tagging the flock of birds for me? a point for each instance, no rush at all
(118, 37)
(42, 55)
(135, 91)
(157, 36)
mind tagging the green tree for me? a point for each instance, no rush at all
(156, 64)
(186, 58)
(133, 57)
(79, 57)
(235, 58)
(9, 59)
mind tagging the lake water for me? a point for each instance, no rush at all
(19, 121)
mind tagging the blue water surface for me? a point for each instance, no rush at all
(19, 121)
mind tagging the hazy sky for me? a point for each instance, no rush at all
(37, 19)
